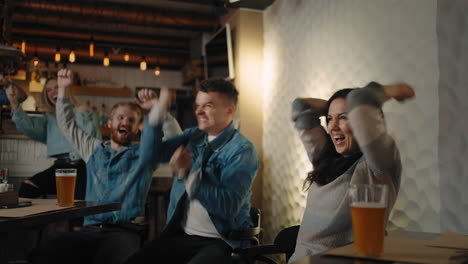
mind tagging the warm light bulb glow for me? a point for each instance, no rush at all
(91, 49)
(126, 57)
(157, 71)
(143, 65)
(23, 47)
(57, 56)
(35, 61)
(106, 61)
(72, 57)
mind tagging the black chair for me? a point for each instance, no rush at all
(253, 234)
(284, 243)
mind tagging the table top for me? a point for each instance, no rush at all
(330, 259)
(80, 209)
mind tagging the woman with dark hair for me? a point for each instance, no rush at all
(45, 130)
(357, 149)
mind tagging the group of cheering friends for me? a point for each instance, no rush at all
(214, 165)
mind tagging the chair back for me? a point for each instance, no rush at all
(252, 234)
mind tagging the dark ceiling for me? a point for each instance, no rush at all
(160, 30)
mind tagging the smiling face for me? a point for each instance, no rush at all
(123, 125)
(213, 111)
(339, 129)
(51, 90)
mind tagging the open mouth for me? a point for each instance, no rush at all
(122, 131)
(339, 139)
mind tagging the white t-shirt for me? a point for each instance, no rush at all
(196, 220)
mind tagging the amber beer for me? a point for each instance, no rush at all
(368, 204)
(66, 181)
(368, 227)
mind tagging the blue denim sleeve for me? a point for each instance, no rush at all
(153, 149)
(226, 198)
(3, 98)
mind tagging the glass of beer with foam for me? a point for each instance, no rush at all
(368, 204)
(66, 181)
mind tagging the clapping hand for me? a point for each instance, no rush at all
(181, 161)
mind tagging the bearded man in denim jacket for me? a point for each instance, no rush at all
(210, 197)
(118, 171)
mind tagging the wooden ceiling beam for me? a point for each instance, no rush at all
(100, 41)
(46, 53)
(117, 13)
(103, 33)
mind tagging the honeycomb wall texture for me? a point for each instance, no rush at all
(452, 30)
(314, 47)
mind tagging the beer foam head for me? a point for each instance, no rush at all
(368, 205)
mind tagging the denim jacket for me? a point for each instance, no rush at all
(224, 186)
(123, 176)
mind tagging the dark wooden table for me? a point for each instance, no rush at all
(327, 259)
(80, 209)
(19, 235)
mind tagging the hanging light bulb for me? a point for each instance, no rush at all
(36, 59)
(57, 55)
(157, 71)
(143, 63)
(23, 47)
(71, 56)
(126, 56)
(91, 47)
(106, 61)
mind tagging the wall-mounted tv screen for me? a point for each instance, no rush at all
(218, 58)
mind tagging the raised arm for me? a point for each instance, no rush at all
(305, 115)
(365, 114)
(78, 138)
(33, 127)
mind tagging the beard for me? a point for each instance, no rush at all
(124, 139)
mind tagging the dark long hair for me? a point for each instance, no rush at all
(329, 164)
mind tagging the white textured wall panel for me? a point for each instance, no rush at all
(452, 29)
(315, 47)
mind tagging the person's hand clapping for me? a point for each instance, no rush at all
(64, 80)
(181, 162)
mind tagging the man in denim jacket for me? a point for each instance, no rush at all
(118, 171)
(210, 197)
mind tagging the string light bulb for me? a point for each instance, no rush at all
(57, 55)
(71, 56)
(157, 71)
(126, 55)
(143, 63)
(106, 61)
(23, 47)
(91, 47)
(36, 59)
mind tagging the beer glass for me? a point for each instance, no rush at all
(368, 204)
(66, 181)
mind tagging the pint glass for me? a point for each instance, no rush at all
(66, 181)
(368, 204)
